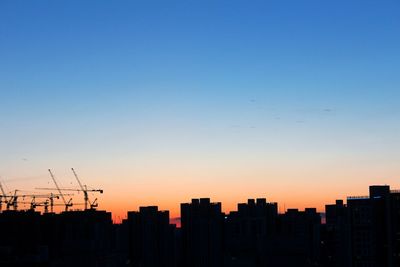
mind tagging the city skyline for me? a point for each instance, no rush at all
(159, 102)
(363, 231)
(72, 198)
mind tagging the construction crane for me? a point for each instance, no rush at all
(67, 204)
(33, 204)
(13, 202)
(83, 188)
(1, 197)
(49, 199)
(46, 204)
(85, 191)
(9, 200)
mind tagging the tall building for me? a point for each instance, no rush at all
(202, 233)
(375, 228)
(150, 238)
(336, 245)
(297, 241)
(20, 239)
(85, 238)
(365, 232)
(394, 234)
(74, 238)
(249, 231)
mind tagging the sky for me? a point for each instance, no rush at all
(159, 102)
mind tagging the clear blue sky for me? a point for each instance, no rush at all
(258, 94)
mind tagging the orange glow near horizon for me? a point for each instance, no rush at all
(301, 186)
(157, 104)
(120, 202)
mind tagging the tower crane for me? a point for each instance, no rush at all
(6, 200)
(85, 191)
(13, 202)
(67, 204)
(49, 200)
(46, 204)
(1, 197)
(33, 204)
(83, 188)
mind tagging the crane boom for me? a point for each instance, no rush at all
(1, 197)
(13, 201)
(84, 189)
(2, 189)
(68, 189)
(58, 188)
(79, 182)
(67, 204)
(85, 192)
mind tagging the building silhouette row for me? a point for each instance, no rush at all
(364, 232)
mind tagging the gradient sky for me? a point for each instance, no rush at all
(158, 102)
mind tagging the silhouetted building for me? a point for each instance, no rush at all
(394, 233)
(151, 238)
(375, 228)
(202, 233)
(336, 245)
(365, 232)
(20, 239)
(121, 244)
(249, 232)
(76, 238)
(85, 238)
(297, 242)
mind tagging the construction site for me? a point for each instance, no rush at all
(46, 199)
(55, 226)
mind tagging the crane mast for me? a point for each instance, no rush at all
(49, 200)
(6, 200)
(1, 197)
(13, 202)
(84, 189)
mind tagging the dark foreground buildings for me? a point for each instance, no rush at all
(363, 232)
(202, 233)
(151, 240)
(79, 238)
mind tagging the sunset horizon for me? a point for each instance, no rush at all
(200, 133)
